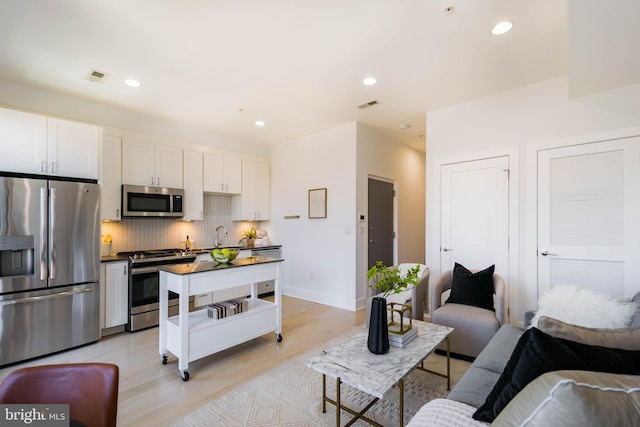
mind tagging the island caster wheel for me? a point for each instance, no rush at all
(185, 376)
(279, 337)
(164, 359)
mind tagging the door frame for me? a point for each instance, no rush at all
(434, 220)
(530, 258)
(395, 218)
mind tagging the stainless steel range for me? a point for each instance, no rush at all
(144, 285)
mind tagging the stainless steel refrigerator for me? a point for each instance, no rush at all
(49, 266)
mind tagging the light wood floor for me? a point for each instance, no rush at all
(152, 394)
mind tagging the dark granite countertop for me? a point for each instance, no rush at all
(201, 267)
(114, 258)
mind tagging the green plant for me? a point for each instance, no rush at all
(249, 234)
(387, 280)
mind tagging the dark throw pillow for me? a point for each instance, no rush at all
(537, 353)
(474, 289)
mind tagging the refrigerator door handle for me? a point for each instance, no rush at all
(52, 226)
(46, 297)
(43, 233)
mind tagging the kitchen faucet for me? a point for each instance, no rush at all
(225, 233)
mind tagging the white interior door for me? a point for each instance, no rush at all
(588, 217)
(475, 215)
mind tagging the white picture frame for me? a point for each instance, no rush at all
(318, 203)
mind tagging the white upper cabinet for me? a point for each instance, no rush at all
(253, 204)
(222, 175)
(193, 196)
(148, 164)
(111, 178)
(72, 149)
(48, 146)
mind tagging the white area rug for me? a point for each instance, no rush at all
(291, 395)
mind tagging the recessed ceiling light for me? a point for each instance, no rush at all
(501, 28)
(260, 123)
(369, 81)
(405, 126)
(132, 83)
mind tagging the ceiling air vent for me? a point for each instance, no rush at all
(368, 104)
(97, 76)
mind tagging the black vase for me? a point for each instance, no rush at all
(378, 340)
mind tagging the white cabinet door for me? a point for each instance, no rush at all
(37, 144)
(72, 149)
(253, 203)
(23, 139)
(168, 166)
(138, 163)
(222, 175)
(116, 284)
(206, 257)
(213, 174)
(193, 196)
(111, 179)
(246, 253)
(144, 163)
(233, 175)
(263, 191)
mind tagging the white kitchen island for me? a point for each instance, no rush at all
(193, 335)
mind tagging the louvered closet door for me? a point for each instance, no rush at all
(589, 217)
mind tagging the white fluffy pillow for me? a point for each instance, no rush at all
(583, 307)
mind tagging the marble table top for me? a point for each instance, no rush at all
(375, 374)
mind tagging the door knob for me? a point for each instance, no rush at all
(374, 241)
(545, 253)
(446, 249)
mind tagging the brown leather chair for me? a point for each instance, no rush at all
(90, 389)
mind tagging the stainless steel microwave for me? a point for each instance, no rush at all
(140, 201)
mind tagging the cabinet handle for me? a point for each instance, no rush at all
(221, 187)
(125, 270)
(53, 167)
(152, 180)
(226, 187)
(43, 166)
(158, 180)
(117, 212)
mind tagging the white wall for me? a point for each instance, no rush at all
(381, 158)
(326, 259)
(516, 121)
(320, 254)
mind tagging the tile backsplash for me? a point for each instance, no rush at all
(132, 234)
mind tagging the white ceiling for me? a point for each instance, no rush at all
(296, 64)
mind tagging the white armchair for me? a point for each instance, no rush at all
(474, 326)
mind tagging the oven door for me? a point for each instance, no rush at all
(144, 298)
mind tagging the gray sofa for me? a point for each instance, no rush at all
(478, 381)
